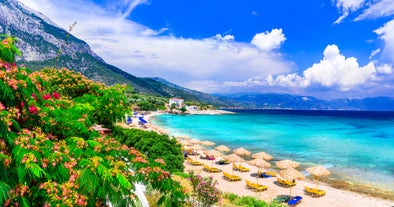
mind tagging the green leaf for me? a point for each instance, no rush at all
(21, 174)
(35, 169)
(88, 180)
(123, 181)
(4, 190)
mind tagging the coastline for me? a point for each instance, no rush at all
(339, 193)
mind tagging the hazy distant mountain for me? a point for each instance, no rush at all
(41, 40)
(286, 101)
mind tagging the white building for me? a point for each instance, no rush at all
(177, 101)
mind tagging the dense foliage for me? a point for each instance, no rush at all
(249, 201)
(148, 102)
(154, 145)
(49, 153)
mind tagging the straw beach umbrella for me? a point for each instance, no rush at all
(207, 143)
(262, 155)
(259, 163)
(197, 147)
(233, 158)
(213, 153)
(318, 171)
(284, 164)
(291, 174)
(242, 152)
(222, 148)
(195, 141)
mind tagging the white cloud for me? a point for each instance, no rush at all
(334, 72)
(224, 38)
(267, 41)
(374, 53)
(145, 52)
(386, 33)
(347, 6)
(382, 8)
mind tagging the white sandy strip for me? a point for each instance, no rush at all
(333, 198)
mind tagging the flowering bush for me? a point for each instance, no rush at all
(204, 189)
(49, 153)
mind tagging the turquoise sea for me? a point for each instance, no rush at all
(355, 146)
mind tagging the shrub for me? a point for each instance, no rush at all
(204, 189)
(154, 145)
(50, 155)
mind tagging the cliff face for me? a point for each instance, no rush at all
(45, 44)
(39, 38)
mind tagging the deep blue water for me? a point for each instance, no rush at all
(356, 146)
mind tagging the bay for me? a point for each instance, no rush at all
(356, 146)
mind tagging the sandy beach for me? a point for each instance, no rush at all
(334, 197)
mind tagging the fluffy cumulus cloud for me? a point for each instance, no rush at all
(267, 41)
(334, 72)
(202, 64)
(386, 33)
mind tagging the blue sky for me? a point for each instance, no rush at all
(324, 48)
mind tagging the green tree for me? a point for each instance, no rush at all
(49, 153)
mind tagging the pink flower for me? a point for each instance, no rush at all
(47, 96)
(34, 96)
(33, 109)
(2, 107)
(56, 95)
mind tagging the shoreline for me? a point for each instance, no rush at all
(370, 195)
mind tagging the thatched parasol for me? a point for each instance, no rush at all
(207, 143)
(291, 174)
(185, 143)
(183, 137)
(318, 171)
(222, 148)
(262, 155)
(242, 152)
(233, 158)
(213, 153)
(259, 163)
(195, 141)
(284, 164)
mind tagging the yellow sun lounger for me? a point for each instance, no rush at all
(255, 186)
(240, 168)
(314, 192)
(193, 162)
(285, 183)
(230, 177)
(211, 169)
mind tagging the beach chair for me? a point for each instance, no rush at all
(285, 183)
(230, 177)
(193, 162)
(243, 169)
(267, 174)
(314, 192)
(255, 186)
(294, 201)
(212, 169)
(223, 162)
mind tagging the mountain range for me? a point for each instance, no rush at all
(45, 44)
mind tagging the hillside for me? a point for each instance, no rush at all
(287, 101)
(44, 44)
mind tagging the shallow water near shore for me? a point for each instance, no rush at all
(357, 147)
